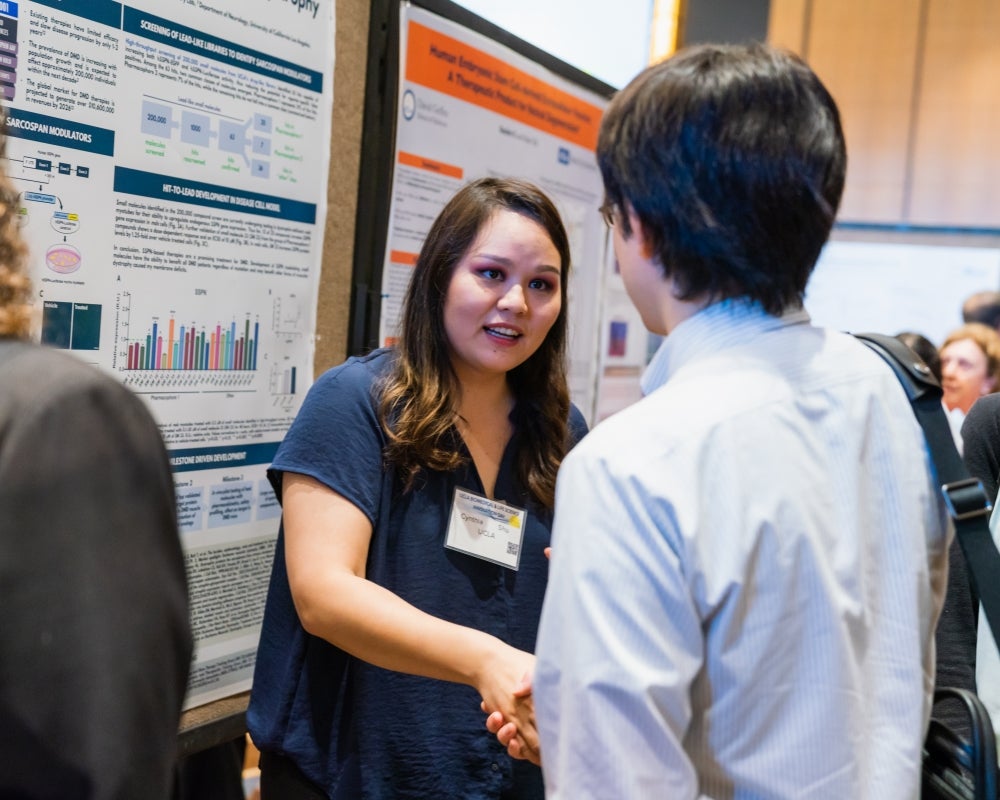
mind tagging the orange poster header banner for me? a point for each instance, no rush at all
(455, 68)
(430, 165)
(402, 257)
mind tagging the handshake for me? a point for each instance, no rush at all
(515, 728)
(512, 716)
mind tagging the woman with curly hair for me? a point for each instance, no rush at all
(15, 288)
(417, 486)
(970, 365)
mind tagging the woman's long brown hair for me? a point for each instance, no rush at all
(417, 400)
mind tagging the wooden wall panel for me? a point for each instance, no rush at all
(334, 302)
(956, 163)
(866, 54)
(786, 25)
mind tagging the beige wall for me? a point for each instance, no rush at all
(351, 59)
(918, 85)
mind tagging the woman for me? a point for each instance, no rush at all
(398, 603)
(970, 365)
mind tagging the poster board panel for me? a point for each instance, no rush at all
(171, 161)
(468, 106)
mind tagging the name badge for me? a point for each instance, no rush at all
(486, 529)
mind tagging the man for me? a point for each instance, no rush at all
(748, 563)
(982, 307)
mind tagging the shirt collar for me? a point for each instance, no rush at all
(714, 328)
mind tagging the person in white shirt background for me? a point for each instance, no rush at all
(748, 564)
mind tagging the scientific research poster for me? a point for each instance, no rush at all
(171, 160)
(469, 107)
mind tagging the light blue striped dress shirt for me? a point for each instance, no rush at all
(748, 565)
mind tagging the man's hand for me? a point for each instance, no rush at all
(517, 741)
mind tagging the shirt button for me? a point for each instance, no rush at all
(494, 766)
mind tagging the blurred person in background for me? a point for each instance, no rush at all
(970, 369)
(983, 307)
(970, 365)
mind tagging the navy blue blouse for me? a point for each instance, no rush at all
(356, 730)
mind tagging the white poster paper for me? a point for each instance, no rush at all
(469, 107)
(171, 159)
(890, 288)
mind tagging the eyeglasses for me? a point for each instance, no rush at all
(607, 212)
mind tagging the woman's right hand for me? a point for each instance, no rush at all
(507, 732)
(507, 700)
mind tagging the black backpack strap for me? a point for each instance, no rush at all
(964, 496)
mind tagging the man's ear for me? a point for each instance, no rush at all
(639, 232)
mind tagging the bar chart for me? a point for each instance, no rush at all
(208, 344)
(171, 345)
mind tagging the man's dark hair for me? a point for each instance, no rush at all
(982, 307)
(733, 160)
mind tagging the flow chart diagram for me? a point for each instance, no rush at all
(237, 137)
(60, 257)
